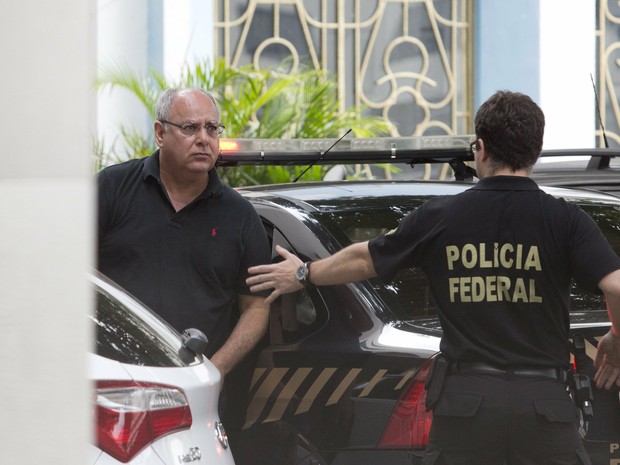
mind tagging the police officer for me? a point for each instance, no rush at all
(500, 258)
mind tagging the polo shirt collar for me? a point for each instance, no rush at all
(515, 183)
(151, 167)
(215, 187)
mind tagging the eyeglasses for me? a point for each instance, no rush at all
(473, 146)
(190, 129)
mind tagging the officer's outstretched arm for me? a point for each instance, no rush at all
(353, 263)
(350, 264)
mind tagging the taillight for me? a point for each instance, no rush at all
(410, 423)
(131, 415)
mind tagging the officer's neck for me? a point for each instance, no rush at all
(509, 172)
(485, 171)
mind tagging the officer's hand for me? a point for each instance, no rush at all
(278, 276)
(608, 362)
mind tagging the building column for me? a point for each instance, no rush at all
(141, 35)
(129, 36)
(545, 49)
(46, 232)
(188, 34)
(567, 60)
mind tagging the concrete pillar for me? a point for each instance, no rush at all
(567, 59)
(506, 48)
(188, 33)
(129, 35)
(543, 48)
(47, 121)
(141, 35)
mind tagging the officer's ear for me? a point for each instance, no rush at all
(481, 150)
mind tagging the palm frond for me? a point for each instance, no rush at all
(271, 103)
(122, 76)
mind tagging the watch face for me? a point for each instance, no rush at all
(302, 271)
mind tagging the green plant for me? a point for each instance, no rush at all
(254, 104)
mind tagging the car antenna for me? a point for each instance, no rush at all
(598, 111)
(602, 162)
(321, 156)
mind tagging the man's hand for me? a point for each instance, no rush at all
(607, 361)
(278, 276)
(248, 331)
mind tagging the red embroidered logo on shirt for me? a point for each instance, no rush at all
(214, 232)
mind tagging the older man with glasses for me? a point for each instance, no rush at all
(179, 239)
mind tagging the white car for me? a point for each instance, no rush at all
(155, 395)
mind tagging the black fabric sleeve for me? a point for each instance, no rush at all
(257, 251)
(103, 203)
(592, 257)
(399, 248)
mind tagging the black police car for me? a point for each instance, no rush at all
(597, 169)
(340, 378)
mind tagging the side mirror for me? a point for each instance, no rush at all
(194, 340)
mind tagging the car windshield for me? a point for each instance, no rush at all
(409, 295)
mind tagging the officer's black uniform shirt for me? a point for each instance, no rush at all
(500, 258)
(188, 265)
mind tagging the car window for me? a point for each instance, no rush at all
(123, 335)
(408, 295)
(293, 316)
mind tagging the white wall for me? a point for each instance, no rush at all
(546, 49)
(188, 33)
(184, 32)
(567, 59)
(122, 40)
(46, 232)
(506, 47)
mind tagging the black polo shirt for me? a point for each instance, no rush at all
(500, 258)
(188, 265)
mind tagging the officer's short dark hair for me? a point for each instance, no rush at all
(512, 127)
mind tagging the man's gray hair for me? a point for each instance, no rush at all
(164, 102)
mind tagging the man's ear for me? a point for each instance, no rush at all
(158, 131)
(482, 152)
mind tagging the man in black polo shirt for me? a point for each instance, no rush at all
(500, 258)
(179, 239)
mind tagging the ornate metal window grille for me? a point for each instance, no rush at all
(608, 61)
(406, 60)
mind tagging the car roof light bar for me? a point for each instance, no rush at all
(411, 150)
(408, 150)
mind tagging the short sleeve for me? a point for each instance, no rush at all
(256, 250)
(402, 247)
(592, 257)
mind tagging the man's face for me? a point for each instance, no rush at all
(182, 153)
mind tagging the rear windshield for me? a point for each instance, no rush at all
(125, 336)
(409, 295)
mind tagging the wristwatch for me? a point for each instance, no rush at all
(303, 274)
